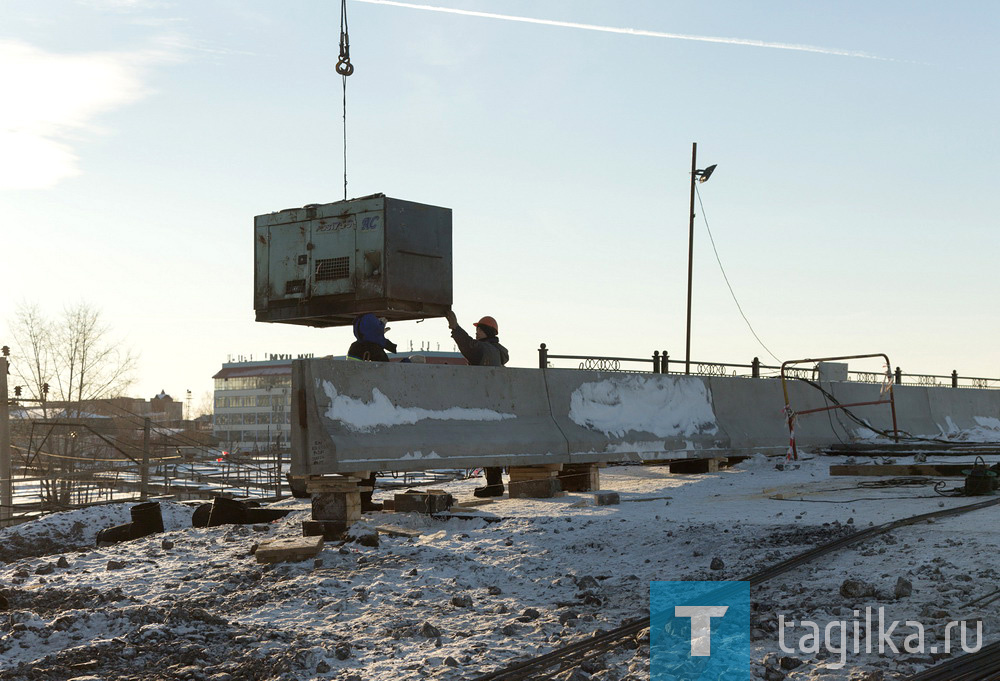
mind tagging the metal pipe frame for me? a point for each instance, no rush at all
(790, 414)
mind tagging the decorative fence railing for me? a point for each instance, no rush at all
(660, 363)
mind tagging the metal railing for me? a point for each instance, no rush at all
(58, 465)
(597, 363)
(660, 363)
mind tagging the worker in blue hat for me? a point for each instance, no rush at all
(370, 346)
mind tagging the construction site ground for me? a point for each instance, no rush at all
(510, 580)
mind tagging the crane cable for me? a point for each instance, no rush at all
(344, 68)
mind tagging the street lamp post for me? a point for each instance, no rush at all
(699, 176)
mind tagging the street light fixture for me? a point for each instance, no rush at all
(700, 176)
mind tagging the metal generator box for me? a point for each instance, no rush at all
(322, 265)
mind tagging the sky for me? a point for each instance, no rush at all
(853, 207)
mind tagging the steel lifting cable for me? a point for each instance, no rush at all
(344, 68)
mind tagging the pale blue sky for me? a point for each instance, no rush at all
(853, 206)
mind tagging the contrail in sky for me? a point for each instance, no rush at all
(630, 31)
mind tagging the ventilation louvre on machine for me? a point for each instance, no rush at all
(322, 265)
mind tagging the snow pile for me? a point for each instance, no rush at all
(521, 578)
(664, 407)
(987, 430)
(361, 416)
(62, 532)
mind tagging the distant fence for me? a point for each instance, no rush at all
(38, 490)
(660, 363)
(62, 463)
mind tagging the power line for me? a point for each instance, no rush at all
(724, 276)
(175, 439)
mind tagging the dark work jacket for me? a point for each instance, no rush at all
(371, 342)
(484, 353)
(367, 351)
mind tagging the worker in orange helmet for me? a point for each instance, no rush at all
(483, 350)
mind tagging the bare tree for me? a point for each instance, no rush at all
(78, 359)
(32, 362)
(206, 405)
(90, 364)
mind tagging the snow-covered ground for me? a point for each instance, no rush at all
(469, 595)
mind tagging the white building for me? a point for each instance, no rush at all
(253, 402)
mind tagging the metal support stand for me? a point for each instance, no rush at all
(6, 482)
(144, 471)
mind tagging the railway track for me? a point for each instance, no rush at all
(980, 666)
(548, 665)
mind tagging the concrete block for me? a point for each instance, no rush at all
(422, 502)
(832, 371)
(337, 506)
(329, 530)
(292, 549)
(395, 531)
(606, 498)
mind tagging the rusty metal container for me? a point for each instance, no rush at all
(322, 265)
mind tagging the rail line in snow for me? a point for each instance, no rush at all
(981, 666)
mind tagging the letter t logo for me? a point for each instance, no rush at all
(701, 625)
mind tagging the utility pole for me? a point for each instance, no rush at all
(696, 176)
(144, 473)
(6, 483)
(687, 344)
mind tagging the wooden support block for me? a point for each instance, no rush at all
(523, 477)
(422, 502)
(544, 488)
(341, 488)
(473, 502)
(394, 531)
(337, 506)
(937, 470)
(580, 477)
(520, 473)
(335, 483)
(292, 549)
(694, 466)
(330, 530)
